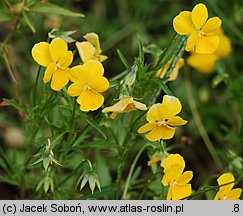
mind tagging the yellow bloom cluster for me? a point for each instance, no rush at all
(202, 32)
(179, 187)
(88, 80)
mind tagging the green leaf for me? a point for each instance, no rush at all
(28, 22)
(123, 60)
(95, 126)
(53, 9)
(15, 104)
(4, 17)
(163, 86)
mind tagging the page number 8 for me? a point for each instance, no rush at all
(236, 208)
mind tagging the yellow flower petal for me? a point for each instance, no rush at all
(139, 105)
(173, 159)
(207, 44)
(49, 72)
(173, 104)
(88, 73)
(224, 179)
(93, 38)
(100, 84)
(126, 104)
(176, 121)
(169, 193)
(41, 54)
(224, 47)
(199, 15)
(219, 195)
(234, 194)
(181, 191)
(75, 89)
(57, 47)
(90, 100)
(173, 173)
(192, 41)
(161, 73)
(92, 69)
(183, 24)
(113, 115)
(204, 63)
(147, 127)
(76, 74)
(119, 106)
(184, 178)
(158, 112)
(153, 114)
(65, 60)
(153, 161)
(101, 58)
(86, 50)
(161, 132)
(212, 26)
(60, 78)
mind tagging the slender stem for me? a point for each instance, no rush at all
(11, 74)
(10, 34)
(200, 126)
(124, 195)
(36, 84)
(127, 145)
(8, 5)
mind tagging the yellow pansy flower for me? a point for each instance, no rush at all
(225, 192)
(88, 82)
(161, 72)
(203, 32)
(56, 57)
(90, 49)
(162, 119)
(124, 105)
(178, 181)
(205, 63)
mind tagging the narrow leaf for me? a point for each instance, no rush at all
(163, 86)
(15, 104)
(123, 59)
(53, 9)
(95, 126)
(29, 22)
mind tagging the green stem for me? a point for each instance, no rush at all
(124, 195)
(36, 84)
(200, 126)
(121, 164)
